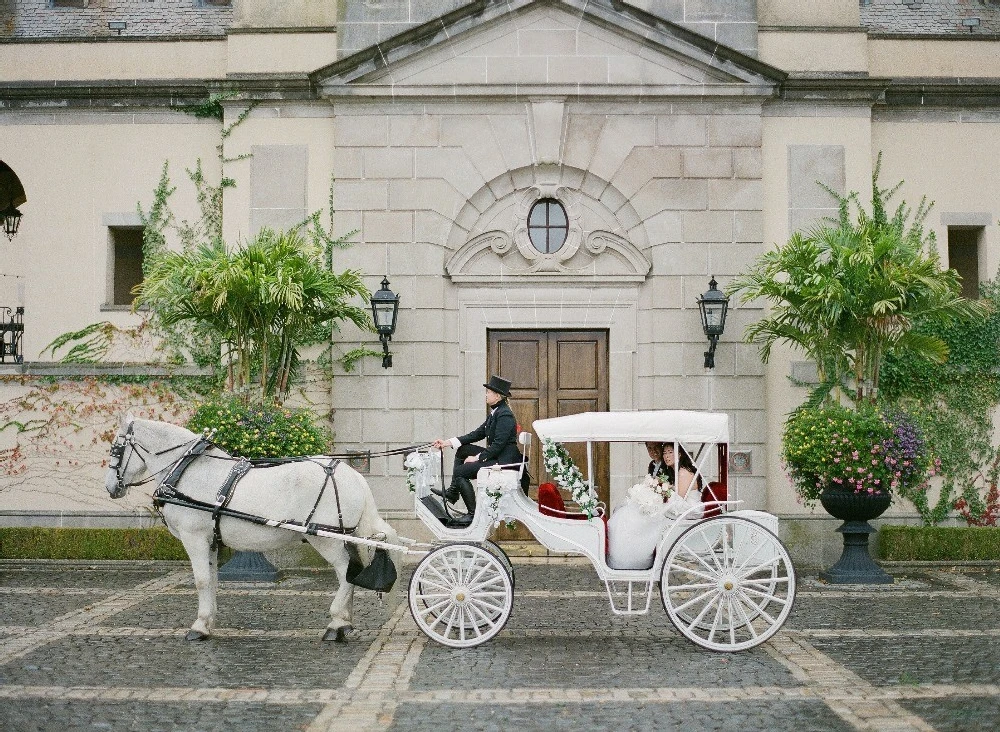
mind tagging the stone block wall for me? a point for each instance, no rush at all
(937, 17)
(39, 19)
(732, 22)
(419, 180)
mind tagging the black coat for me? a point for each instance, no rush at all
(500, 432)
(657, 468)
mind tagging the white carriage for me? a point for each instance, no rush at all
(726, 581)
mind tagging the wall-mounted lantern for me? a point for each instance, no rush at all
(385, 308)
(714, 306)
(11, 220)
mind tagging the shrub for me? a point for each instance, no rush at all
(260, 430)
(939, 543)
(52, 543)
(864, 450)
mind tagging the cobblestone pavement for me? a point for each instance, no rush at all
(102, 646)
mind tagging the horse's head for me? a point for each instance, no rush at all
(123, 470)
(138, 444)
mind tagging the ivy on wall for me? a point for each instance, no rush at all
(954, 403)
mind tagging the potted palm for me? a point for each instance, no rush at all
(847, 293)
(264, 301)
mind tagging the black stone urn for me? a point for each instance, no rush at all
(248, 567)
(855, 565)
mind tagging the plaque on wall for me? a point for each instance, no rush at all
(740, 462)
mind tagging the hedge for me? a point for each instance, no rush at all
(939, 543)
(48, 543)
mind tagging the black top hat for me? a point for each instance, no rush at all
(499, 385)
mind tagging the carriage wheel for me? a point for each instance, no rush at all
(461, 595)
(728, 584)
(495, 549)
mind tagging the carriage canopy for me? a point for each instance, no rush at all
(664, 425)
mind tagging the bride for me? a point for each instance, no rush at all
(635, 528)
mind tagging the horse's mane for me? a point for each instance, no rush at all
(165, 430)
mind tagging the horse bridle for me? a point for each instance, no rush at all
(119, 463)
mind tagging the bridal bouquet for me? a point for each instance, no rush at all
(650, 495)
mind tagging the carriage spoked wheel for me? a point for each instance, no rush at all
(728, 584)
(461, 595)
(496, 550)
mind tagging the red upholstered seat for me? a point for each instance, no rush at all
(714, 491)
(550, 501)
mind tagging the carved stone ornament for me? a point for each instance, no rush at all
(497, 255)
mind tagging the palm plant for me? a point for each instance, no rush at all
(850, 292)
(265, 300)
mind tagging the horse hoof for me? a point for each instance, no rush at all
(196, 635)
(339, 635)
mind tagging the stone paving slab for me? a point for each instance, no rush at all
(259, 611)
(903, 660)
(957, 715)
(567, 661)
(32, 716)
(876, 612)
(805, 716)
(118, 662)
(99, 578)
(104, 648)
(36, 609)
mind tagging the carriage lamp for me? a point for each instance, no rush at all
(385, 308)
(11, 220)
(713, 305)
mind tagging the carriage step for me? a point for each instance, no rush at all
(451, 521)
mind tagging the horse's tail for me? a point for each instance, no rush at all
(371, 524)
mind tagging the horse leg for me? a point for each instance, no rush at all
(335, 552)
(204, 565)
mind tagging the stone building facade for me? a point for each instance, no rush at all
(682, 139)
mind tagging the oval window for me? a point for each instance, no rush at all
(548, 225)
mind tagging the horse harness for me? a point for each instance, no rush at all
(167, 491)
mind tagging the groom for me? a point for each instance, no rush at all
(500, 432)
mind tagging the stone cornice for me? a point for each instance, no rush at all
(56, 95)
(936, 92)
(836, 89)
(161, 93)
(858, 90)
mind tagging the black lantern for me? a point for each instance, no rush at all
(11, 220)
(714, 306)
(385, 307)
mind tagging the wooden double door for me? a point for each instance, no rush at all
(554, 373)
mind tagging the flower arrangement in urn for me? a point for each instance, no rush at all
(867, 450)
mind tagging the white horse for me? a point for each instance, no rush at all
(144, 450)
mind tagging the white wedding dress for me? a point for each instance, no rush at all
(636, 527)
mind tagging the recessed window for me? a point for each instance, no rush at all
(964, 245)
(213, 3)
(69, 3)
(547, 225)
(126, 263)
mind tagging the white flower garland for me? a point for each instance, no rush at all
(563, 471)
(419, 470)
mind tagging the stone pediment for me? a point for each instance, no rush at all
(550, 43)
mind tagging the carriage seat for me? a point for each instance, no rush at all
(714, 491)
(551, 503)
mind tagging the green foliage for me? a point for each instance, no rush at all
(90, 344)
(51, 543)
(265, 300)
(260, 430)
(954, 403)
(939, 543)
(849, 293)
(863, 450)
(350, 359)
